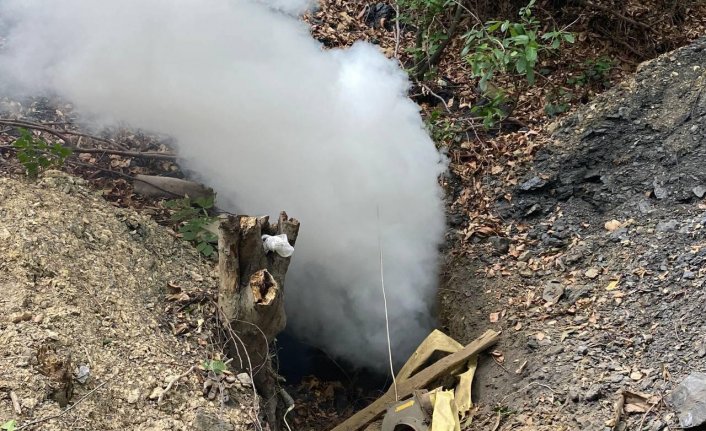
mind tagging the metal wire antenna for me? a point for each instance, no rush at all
(384, 301)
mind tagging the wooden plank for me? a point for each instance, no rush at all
(418, 381)
(437, 341)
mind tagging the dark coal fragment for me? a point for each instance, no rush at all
(380, 15)
(534, 183)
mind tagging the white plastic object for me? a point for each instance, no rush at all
(279, 244)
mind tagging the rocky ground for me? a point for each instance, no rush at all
(106, 318)
(598, 286)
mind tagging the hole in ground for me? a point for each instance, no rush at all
(325, 390)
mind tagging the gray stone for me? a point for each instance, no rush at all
(501, 244)
(555, 350)
(645, 207)
(582, 350)
(577, 292)
(689, 400)
(699, 191)
(659, 190)
(534, 183)
(205, 421)
(553, 291)
(666, 226)
(594, 393)
(616, 378)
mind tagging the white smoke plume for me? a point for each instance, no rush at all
(272, 121)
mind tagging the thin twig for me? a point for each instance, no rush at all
(646, 413)
(171, 383)
(34, 125)
(234, 336)
(424, 86)
(63, 412)
(63, 136)
(397, 31)
(618, 15)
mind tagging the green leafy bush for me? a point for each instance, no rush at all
(424, 15)
(558, 102)
(504, 46)
(594, 71)
(193, 218)
(493, 109)
(35, 154)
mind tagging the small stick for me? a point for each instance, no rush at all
(618, 411)
(66, 409)
(15, 403)
(169, 386)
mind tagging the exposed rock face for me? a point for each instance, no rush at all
(614, 211)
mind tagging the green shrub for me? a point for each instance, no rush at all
(35, 154)
(504, 46)
(193, 219)
(594, 71)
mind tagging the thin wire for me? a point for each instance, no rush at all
(384, 301)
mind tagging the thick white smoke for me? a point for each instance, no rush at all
(273, 122)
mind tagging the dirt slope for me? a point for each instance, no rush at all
(631, 292)
(82, 278)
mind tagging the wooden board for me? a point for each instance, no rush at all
(418, 381)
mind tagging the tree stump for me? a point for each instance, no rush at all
(251, 299)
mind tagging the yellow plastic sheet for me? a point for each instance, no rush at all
(463, 388)
(445, 416)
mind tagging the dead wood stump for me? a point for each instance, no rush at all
(251, 299)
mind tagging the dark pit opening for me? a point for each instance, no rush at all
(325, 390)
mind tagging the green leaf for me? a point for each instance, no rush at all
(208, 250)
(530, 76)
(520, 39)
(569, 37)
(188, 235)
(9, 425)
(218, 367)
(204, 202)
(494, 25)
(531, 54)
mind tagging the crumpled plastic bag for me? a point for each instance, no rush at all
(279, 244)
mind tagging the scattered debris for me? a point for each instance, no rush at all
(408, 383)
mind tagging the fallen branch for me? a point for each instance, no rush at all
(169, 386)
(157, 186)
(66, 410)
(617, 15)
(63, 135)
(422, 67)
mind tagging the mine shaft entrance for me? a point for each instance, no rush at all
(325, 390)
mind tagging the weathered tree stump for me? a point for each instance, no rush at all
(251, 299)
